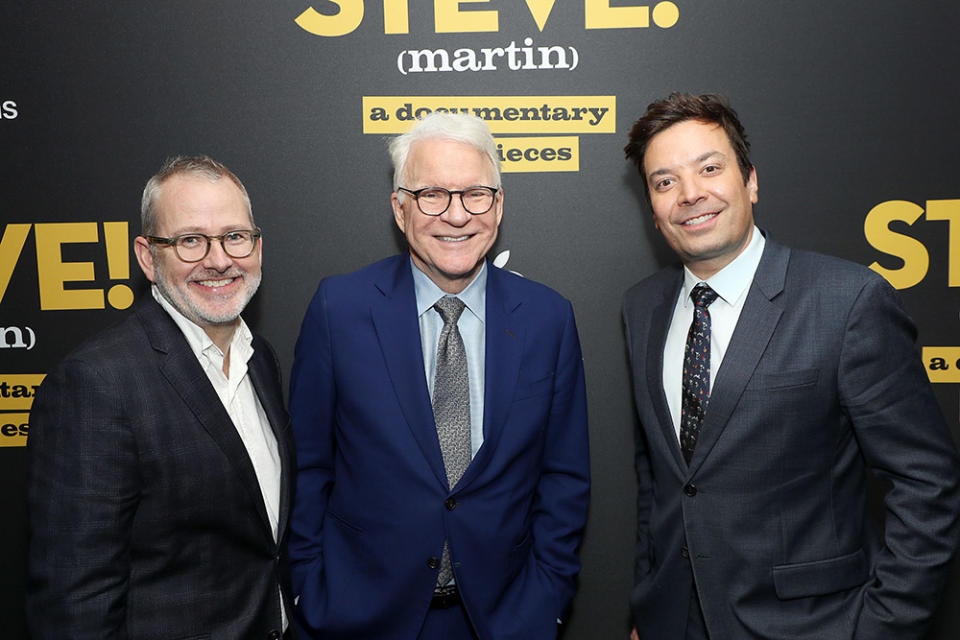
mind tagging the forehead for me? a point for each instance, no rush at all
(189, 202)
(447, 163)
(684, 143)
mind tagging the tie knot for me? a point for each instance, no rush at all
(449, 308)
(703, 295)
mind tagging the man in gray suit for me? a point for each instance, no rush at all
(768, 382)
(160, 456)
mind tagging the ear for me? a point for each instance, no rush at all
(141, 247)
(398, 213)
(499, 206)
(752, 185)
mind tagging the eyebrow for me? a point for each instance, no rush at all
(697, 160)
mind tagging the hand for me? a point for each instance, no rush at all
(633, 634)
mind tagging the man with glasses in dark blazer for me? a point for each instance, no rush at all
(160, 458)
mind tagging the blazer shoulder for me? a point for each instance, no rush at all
(830, 272)
(657, 285)
(531, 291)
(376, 274)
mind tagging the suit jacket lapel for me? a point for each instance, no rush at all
(394, 315)
(505, 339)
(660, 319)
(180, 367)
(262, 367)
(755, 327)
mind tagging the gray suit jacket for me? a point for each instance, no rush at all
(820, 383)
(146, 516)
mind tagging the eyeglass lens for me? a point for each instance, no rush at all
(194, 247)
(475, 200)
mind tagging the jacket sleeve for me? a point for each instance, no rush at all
(538, 598)
(904, 439)
(312, 410)
(82, 491)
(642, 465)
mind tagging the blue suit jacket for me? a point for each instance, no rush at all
(820, 382)
(372, 508)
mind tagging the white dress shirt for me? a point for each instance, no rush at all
(731, 284)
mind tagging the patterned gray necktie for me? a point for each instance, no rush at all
(451, 406)
(696, 370)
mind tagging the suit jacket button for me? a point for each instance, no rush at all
(274, 635)
(690, 490)
(684, 553)
(450, 504)
(433, 563)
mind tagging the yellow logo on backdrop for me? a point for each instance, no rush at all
(53, 272)
(18, 389)
(448, 17)
(16, 394)
(943, 363)
(508, 115)
(913, 253)
(14, 428)
(503, 114)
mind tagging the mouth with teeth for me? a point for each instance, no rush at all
(453, 238)
(216, 283)
(700, 219)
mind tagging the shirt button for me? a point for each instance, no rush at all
(433, 563)
(450, 504)
(690, 490)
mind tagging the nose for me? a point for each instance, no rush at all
(217, 258)
(691, 191)
(455, 214)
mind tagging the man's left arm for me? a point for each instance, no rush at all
(903, 437)
(544, 589)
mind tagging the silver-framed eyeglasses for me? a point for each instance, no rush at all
(435, 200)
(194, 247)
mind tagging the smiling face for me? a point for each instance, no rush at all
(212, 292)
(700, 201)
(450, 247)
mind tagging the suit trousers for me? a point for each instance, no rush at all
(447, 624)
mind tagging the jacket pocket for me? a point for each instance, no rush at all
(805, 579)
(786, 379)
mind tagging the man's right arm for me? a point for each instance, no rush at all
(82, 491)
(644, 490)
(312, 410)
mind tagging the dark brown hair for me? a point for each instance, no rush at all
(679, 107)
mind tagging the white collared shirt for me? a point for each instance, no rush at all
(731, 284)
(239, 398)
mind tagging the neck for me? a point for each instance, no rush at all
(222, 336)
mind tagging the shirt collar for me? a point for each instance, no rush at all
(473, 296)
(734, 279)
(241, 345)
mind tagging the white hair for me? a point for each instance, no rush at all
(460, 127)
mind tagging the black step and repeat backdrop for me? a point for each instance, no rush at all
(851, 107)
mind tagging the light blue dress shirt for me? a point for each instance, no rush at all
(472, 329)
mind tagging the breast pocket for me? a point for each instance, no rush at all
(785, 380)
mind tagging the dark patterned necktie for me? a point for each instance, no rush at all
(451, 406)
(696, 370)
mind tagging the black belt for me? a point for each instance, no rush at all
(445, 597)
